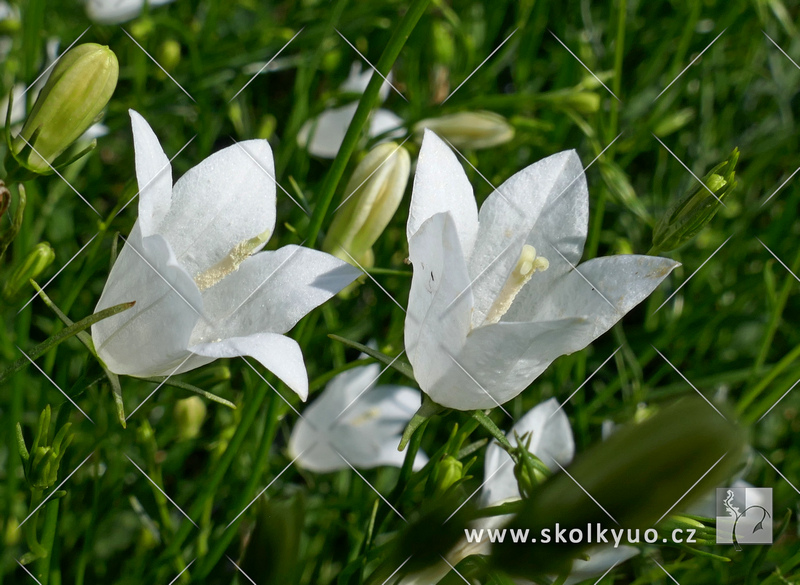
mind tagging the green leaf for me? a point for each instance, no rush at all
(190, 388)
(402, 367)
(62, 335)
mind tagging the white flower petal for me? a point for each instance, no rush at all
(271, 292)
(323, 136)
(386, 123)
(357, 81)
(499, 361)
(439, 304)
(550, 440)
(281, 355)
(601, 558)
(153, 174)
(224, 201)
(618, 283)
(441, 185)
(136, 342)
(544, 205)
(354, 422)
(117, 11)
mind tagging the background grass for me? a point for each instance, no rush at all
(727, 330)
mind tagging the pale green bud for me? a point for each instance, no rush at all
(12, 535)
(77, 90)
(169, 54)
(31, 267)
(474, 130)
(190, 413)
(696, 208)
(620, 186)
(446, 473)
(42, 462)
(372, 196)
(635, 476)
(674, 122)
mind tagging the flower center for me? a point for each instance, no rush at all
(527, 265)
(230, 263)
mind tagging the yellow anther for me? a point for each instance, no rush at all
(527, 265)
(230, 263)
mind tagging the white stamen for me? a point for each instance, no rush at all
(230, 263)
(527, 265)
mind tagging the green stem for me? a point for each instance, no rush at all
(777, 312)
(53, 341)
(489, 425)
(42, 567)
(262, 456)
(756, 390)
(218, 473)
(366, 103)
(619, 50)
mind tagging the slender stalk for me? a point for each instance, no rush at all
(777, 313)
(365, 105)
(259, 466)
(42, 566)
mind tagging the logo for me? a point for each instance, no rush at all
(744, 516)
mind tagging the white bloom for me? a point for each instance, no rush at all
(495, 296)
(323, 135)
(190, 263)
(118, 11)
(551, 440)
(355, 422)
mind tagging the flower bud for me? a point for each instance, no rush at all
(372, 196)
(42, 462)
(446, 473)
(469, 129)
(169, 54)
(10, 21)
(696, 208)
(40, 258)
(190, 413)
(528, 469)
(635, 476)
(77, 90)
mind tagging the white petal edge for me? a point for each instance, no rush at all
(439, 303)
(271, 291)
(281, 355)
(221, 203)
(136, 342)
(604, 289)
(441, 185)
(153, 175)
(545, 205)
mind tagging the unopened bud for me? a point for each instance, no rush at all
(169, 54)
(12, 535)
(674, 122)
(10, 21)
(372, 196)
(31, 267)
(77, 90)
(190, 413)
(469, 129)
(620, 186)
(446, 473)
(41, 463)
(696, 208)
